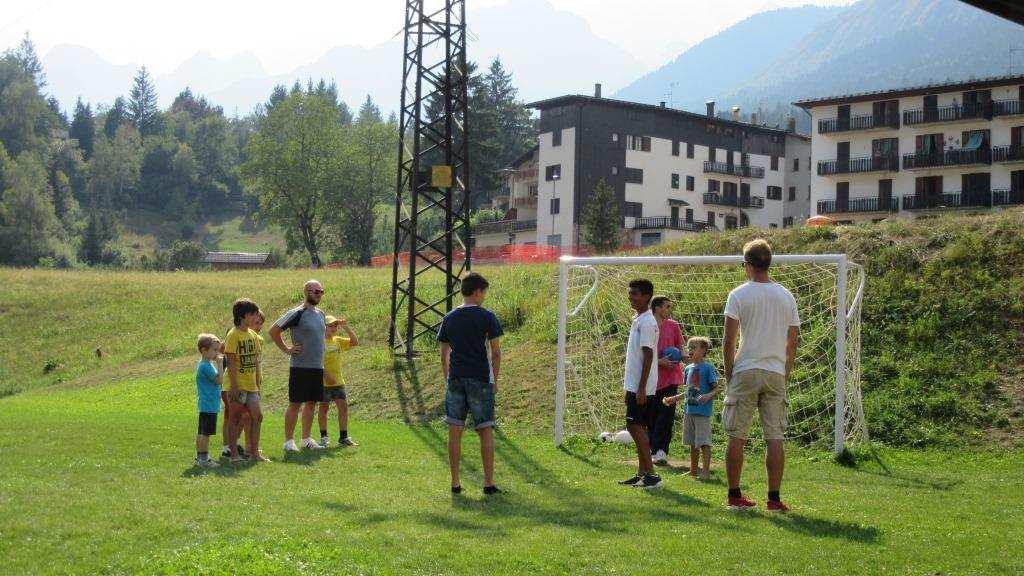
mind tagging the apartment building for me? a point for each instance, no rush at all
(519, 226)
(673, 172)
(917, 151)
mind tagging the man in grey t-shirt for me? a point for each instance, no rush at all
(306, 324)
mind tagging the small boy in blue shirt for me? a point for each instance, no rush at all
(209, 376)
(701, 386)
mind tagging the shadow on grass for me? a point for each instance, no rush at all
(308, 457)
(903, 478)
(823, 528)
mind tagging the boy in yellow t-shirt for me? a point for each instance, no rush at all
(334, 384)
(243, 349)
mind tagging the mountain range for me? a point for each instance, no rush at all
(549, 52)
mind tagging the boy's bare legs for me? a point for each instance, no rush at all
(246, 423)
(643, 448)
(455, 451)
(774, 462)
(307, 418)
(734, 461)
(487, 454)
(227, 425)
(705, 452)
(342, 405)
(202, 443)
(256, 416)
(694, 461)
(321, 414)
(291, 416)
(234, 428)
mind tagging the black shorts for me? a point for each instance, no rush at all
(305, 385)
(637, 414)
(207, 423)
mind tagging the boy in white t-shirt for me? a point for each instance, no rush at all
(641, 381)
(764, 314)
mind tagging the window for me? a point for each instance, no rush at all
(976, 139)
(773, 225)
(929, 143)
(689, 150)
(554, 240)
(775, 192)
(787, 222)
(634, 210)
(712, 185)
(792, 193)
(675, 181)
(796, 164)
(556, 205)
(634, 175)
(639, 143)
(553, 172)
(532, 191)
(689, 215)
(711, 154)
(711, 219)
(615, 170)
(884, 194)
(556, 138)
(689, 183)
(775, 163)
(675, 148)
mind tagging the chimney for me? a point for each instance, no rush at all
(711, 108)
(736, 113)
(790, 124)
(753, 118)
(597, 90)
(662, 104)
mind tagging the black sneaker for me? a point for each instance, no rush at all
(456, 489)
(636, 479)
(649, 481)
(226, 452)
(491, 490)
(241, 451)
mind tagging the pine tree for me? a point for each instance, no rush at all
(28, 60)
(116, 116)
(142, 105)
(601, 219)
(83, 128)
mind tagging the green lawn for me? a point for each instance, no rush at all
(98, 479)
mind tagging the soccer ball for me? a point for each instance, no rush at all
(672, 353)
(623, 437)
(605, 436)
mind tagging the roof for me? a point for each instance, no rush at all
(975, 84)
(524, 156)
(581, 99)
(1009, 9)
(236, 257)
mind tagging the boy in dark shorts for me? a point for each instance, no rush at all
(465, 335)
(640, 381)
(209, 375)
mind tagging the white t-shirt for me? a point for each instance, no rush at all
(642, 334)
(765, 311)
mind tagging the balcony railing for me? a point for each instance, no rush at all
(971, 199)
(741, 170)
(867, 122)
(1007, 108)
(875, 204)
(951, 113)
(951, 157)
(854, 165)
(667, 222)
(1012, 153)
(737, 201)
(506, 226)
(525, 202)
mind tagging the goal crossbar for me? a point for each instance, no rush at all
(844, 315)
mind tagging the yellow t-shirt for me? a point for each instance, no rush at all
(332, 358)
(245, 344)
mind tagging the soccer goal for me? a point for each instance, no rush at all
(594, 319)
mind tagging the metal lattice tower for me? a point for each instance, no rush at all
(432, 193)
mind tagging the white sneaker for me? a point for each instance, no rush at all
(289, 446)
(310, 444)
(660, 457)
(325, 442)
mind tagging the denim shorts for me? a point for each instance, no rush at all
(469, 395)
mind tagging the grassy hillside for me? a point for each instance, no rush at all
(942, 348)
(143, 232)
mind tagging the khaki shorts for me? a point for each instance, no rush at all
(696, 430)
(760, 389)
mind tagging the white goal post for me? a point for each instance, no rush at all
(594, 316)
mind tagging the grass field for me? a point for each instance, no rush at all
(98, 480)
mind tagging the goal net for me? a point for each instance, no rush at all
(594, 319)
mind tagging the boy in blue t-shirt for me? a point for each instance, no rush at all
(466, 335)
(209, 376)
(701, 387)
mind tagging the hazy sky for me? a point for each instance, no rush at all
(289, 34)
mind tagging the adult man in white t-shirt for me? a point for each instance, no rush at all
(765, 314)
(640, 381)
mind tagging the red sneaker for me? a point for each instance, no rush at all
(777, 506)
(741, 503)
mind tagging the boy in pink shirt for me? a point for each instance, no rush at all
(670, 377)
